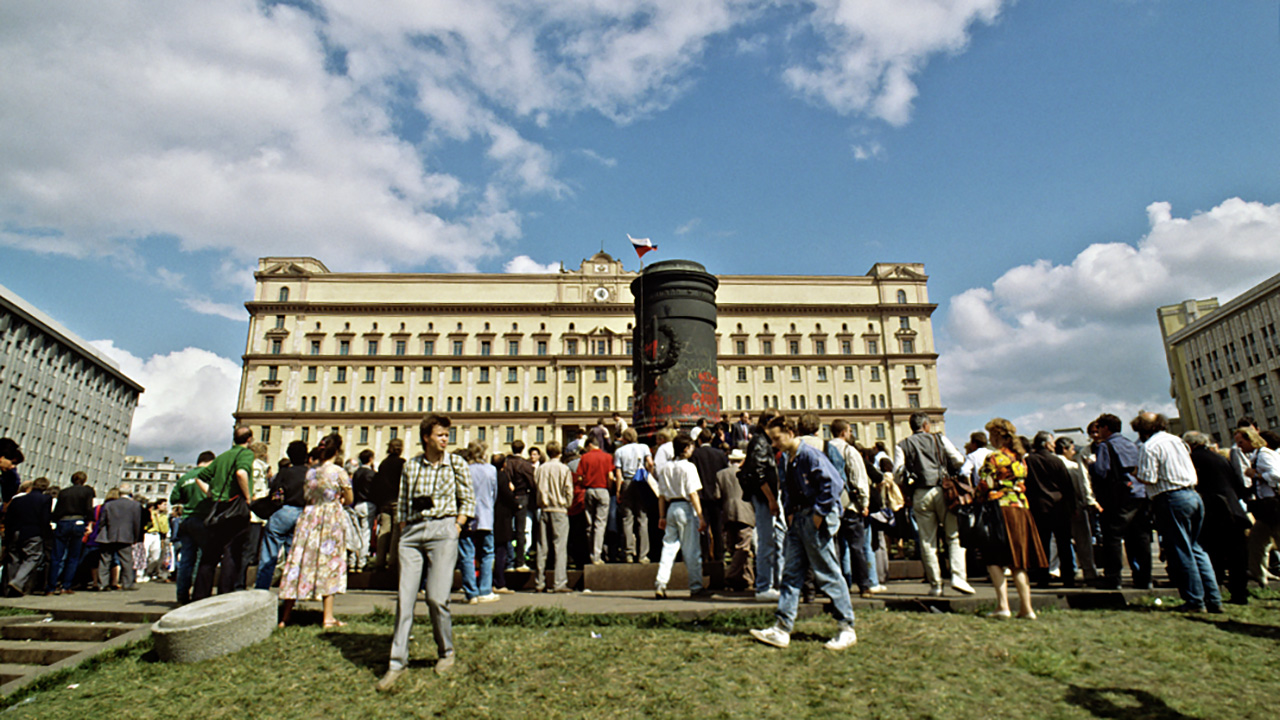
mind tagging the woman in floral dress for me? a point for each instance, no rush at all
(1003, 479)
(317, 565)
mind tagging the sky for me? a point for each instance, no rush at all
(1061, 168)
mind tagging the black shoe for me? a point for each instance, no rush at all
(1191, 608)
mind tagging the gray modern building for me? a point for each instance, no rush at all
(1224, 360)
(69, 406)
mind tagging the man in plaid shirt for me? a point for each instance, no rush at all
(436, 499)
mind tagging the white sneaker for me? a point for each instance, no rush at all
(935, 591)
(767, 596)
(845, 638)
(879, 588)
(961, 586)
(774, 636)
(488, 598)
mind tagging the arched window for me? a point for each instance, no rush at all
(883, 404)
(606, 403)
(569, 404)
(902, 297)
(595, 403)
(284, 294)
(855, 402)
(846, 402)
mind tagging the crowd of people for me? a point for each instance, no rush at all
(786, 512)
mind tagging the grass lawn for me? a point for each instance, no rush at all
(1136, 663)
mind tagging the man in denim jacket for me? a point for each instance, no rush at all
(810, 489)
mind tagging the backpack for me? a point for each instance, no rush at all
(837, 459)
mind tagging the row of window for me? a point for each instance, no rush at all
(821, 402)
(1219, 365)
(601, 374)
(598, 347)
(309, 403)
(483, 374)
(1244, 400)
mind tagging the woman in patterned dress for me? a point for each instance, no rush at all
(317, 565)
(1003, 479)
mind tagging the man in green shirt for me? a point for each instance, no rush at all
(186, 496)
(228, 476)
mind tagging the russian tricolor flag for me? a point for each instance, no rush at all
(642, 245)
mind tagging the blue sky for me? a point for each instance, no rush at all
(1060, 167)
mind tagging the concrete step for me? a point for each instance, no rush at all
(13, 671)
(40, 652)
(65, 631)
(610, 576)
(85, 614)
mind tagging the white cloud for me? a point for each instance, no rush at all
(874, 47)
(688, 227)
(1058, 344)
(868, 151)
(245, 127)
(527, 265)
(205, 306)
(188, 403)
(593, 155)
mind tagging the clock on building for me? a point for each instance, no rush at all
(600, 294)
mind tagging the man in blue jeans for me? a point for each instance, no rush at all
(810, 488)
(184, 498)
(1165, 467)
(71, 517)
(278, 535)
(758, 477)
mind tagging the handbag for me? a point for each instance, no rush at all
(267, 505)
(955, 491)
(981, 525)
(226, 513)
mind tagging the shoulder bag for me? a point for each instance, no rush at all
(227, 513)
(955, 491)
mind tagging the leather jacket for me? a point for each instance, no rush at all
(759, 468)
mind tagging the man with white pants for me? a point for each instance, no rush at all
(681, 518)
(436, 500)
(920, 462)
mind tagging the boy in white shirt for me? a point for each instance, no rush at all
(678, 506)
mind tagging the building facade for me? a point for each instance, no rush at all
(531, 357)
(1224, 361)
(69, 406)
(153, 479)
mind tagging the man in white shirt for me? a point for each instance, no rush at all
(1264, 473)
(632, 495)
(680, 517)
(1164, 466)
(976, 454)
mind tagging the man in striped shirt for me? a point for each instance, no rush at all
(1164, 466)
(436, 500)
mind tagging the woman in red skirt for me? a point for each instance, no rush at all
(1003, 479)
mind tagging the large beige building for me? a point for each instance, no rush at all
(1224, 362)
(512, 356)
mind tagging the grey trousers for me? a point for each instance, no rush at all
(1082, 537)
(432, 544)
(553, 532)
(635, 520)
(24, 560)
(597, 519)
(107, 551)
